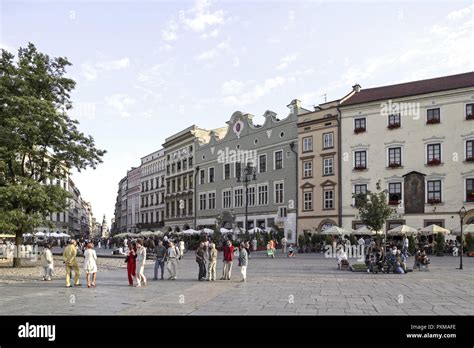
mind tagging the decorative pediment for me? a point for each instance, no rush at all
(433, 138)
(364, 146)
(328, 183)
(393, 178)
(360, 180)
(395, 142)
(414, 172)
(307, 185)
(468, 174)
(467, 135)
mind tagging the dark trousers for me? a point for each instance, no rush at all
(202, 269)
(159, 264)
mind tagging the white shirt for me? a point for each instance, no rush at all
(361, 241)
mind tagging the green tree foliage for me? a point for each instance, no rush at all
(39, 142)
(373, 208)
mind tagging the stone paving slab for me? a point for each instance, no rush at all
(305, 285)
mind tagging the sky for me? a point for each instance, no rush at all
(145, 70)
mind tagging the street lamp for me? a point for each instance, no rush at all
(462, 215)
(248, 174)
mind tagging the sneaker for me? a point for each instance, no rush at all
(138, 286)
(156, 278)
(243, 281)
(174, 278)
(170, 278)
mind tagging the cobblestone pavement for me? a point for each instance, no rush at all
(306, 285)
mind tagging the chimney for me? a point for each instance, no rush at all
(295, 105)
(356, 88)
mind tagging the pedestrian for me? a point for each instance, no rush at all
(228, 258)
(90, 264)
(284, 241)
(212, 262)
(131, 262)
(172, 255)
(406, 245)
(47, 262)
(181, 247)
(206, 256)
(247, 247)
(200, 260)
(160, 253)
(243, 261)
(254, 244)
(141, 259)
(69, 256)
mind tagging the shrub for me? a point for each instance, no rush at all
(301, 241)
(315, 239)
(469, 241)
(411, 245)
(440, 244)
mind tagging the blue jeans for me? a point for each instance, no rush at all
(159, 264)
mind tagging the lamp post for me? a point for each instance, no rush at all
(247, 175)
(462, 215)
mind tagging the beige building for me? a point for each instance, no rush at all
(417, 138)
(318, 168)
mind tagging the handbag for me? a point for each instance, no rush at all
(126, 259)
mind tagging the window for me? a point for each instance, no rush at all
(190, 181)
(308, 200)
(432, 116)
(202, 175)
(307, 144)
(190, 160)
(279, 159)
(172, 209)
(434, 154)
(359, 125)
(202, 201)
(328, 140)
(434, 191)
(328, 166)
(360, 160)
(173, 186)
(394, 193)
(307, 169)
(185, 183)
(469, 190)
(360, 189)
(178, 181)
(394, 121)
(470, 150)
(282, 212)
(173, 166)
(151, 184)
(227, 199)
(394, 157)
(470, 112)
(262, 163)
(178, 166)
(238, 197)
(211, 174)
(226, 171)
(279, 189)
(212, 200)
(185, 164)
(263, 194)
(190, 206)
(251, 196)
(238, 169)
(328, 199)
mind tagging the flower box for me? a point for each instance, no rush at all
(360, 168)
(394, 165)
(470, 159)
(434, 201)
(433, 121)
(434, 162)
(393, 125)
(470, 117)
(359, 130)
(393, 202)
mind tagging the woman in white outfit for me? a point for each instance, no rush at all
(47, 262)
(90, 264)
(141, 258)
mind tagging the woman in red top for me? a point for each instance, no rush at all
(131, 262)
(228, 257)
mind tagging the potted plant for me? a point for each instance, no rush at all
(440, 244)
(470, 159)
(470, 117)
(393, 202)
(433, 121)
(315, 238)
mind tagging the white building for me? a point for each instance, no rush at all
(417, 138)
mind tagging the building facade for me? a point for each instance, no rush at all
(417, 139)
(180, 161)
(152, 196)
(133, 199)
(318, 168)
(271, 150)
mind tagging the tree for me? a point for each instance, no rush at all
(373, 208)
(39, 142)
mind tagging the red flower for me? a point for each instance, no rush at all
(434, 162)
(394, 165)
(434, 201)
(470, 159)
(359, 130)
(360, 167)
(393, 202)
(470, 117)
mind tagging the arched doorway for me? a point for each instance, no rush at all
(326, 224)
(469, 219)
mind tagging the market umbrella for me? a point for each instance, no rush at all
(255, 229)
(39, 234)
(208, 230)
(62, 234)
(465, 229)
(365, 231)
(146, 234)
(334, 230)
(6, 235)
(225, 230)
(402, 229)
(190, 231)
(54, 235)
(433, 229)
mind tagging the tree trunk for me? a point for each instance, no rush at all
(16, 254)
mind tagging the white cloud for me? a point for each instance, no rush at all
(202, 17)
(213, 52)
(120, 102)
(92, 71)
(232, 87)
(285, 61)
(211, 34)
(170, 32)
(253, 93)
(459, 14)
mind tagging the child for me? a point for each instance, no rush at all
(47, 262)
(291, 252)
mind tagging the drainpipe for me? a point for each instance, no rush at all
(292, 147)
(339, 166)
(195, 197)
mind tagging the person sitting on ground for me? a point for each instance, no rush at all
(340, 257)
(291, 251)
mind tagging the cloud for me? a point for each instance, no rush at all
(91, 71)
(170, 32)
(252, 92)
(211, 34)
(200, 17)
(459, 14)
(120, 103)
(232, 87)
(285, 61)
(213, 52)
